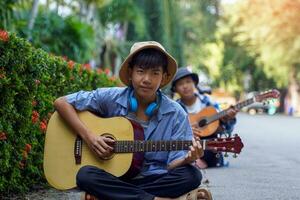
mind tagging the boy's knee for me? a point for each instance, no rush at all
(83, 176)
(194, 176)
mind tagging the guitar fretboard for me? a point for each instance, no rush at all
(147, 146)
(224, 112)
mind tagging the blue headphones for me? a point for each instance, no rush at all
(150, 110)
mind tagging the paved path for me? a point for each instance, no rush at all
(268, 167)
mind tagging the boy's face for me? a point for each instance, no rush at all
(185, 87)
(146, 81)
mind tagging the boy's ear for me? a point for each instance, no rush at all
(165, 79)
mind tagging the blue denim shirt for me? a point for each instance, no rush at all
(169, 123)
(205, 100)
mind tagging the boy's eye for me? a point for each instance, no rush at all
(156, 71)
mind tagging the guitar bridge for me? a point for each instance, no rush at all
(78, 150)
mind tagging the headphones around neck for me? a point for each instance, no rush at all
(150, 110)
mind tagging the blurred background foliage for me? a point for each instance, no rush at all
(236, 46)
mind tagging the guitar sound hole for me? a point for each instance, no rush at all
(202, 122)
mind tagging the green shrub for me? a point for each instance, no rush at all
(30, 80)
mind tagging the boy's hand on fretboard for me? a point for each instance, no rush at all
(231, 113)
(195, 152)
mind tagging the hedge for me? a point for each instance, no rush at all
(30, 80)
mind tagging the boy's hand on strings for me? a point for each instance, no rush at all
(101, 145)
(195, 151)
(231, 113)
(196, 130)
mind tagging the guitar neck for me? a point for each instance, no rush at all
(148, 146)
(221, 114)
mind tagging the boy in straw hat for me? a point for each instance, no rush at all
(164, 175)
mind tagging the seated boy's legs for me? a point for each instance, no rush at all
(106, 186)
(173, 184)
(212, 159)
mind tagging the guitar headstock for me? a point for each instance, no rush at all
(271, 94)
(231, 144)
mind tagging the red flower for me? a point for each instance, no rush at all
(43, 125)
(71, 64)
(87, 66)
(107, 71)
(37, 82)
(27, 148)
(35, 116)
(4, 36)
(3, 136)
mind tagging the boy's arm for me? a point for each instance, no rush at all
(69, 114)
(182, 131)
(227, 126)
(227, 123)
(177, 163)
(193, 154)
(97, 143)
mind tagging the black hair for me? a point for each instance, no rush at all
(149, 58)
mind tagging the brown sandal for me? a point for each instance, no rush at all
(206, 194)
(194, 195)
(86, 196)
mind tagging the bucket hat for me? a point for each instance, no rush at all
(137, 47)
(182, 73)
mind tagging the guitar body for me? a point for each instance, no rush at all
(207, 129)
(59, 162)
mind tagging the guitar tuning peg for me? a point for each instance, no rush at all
(226, 154)
(234, 155)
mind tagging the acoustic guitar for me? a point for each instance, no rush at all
(65, 153)
(207, 120)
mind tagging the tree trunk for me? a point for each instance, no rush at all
(90, 13)
(33, 14)
(47, 4)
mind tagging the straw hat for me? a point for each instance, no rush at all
(136, 47)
